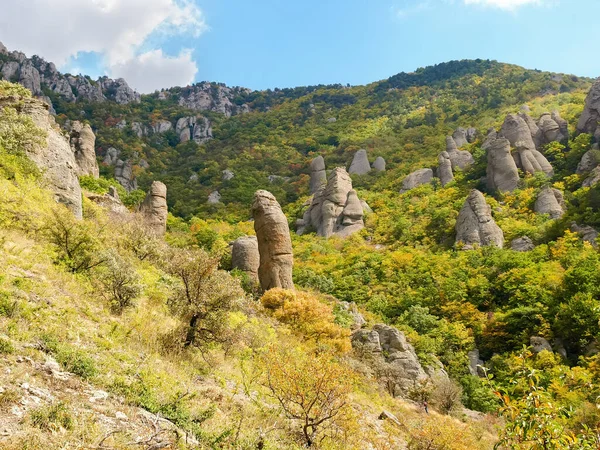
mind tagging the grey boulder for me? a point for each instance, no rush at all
(360, 163)
(522, 244)
(475, 225)
(318, 176)
(416, 178)
(379, 164)
(445, 168)
(461, 159)
(502, 172)
(245, 256)
(154, 209)
(550, 201)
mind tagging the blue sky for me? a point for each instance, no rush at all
(282, 43)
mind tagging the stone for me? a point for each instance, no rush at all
(352, 216)
(139, 129)
(522, 244)
(124, 175)
(365, 206)
(587, 233)
(445, 168)
(475, 225)
(518, 133)
(277, 179)
(589, 161)
(475, 363)
(162, 126)
(111, 157)
(357, 318)
(110, 202)
(379, 164)
(318, 176)
(214, 197)
(10, 71)
(274, 242)
(593, 178)
(227, 175)
(531, 161)
(213, 97)
(245, 256)
(460, 137)
(198, 129)
(54, 156)
(471, 135)
(502, 172)
(416, 178)
(154, 209)
(83, 143)
(360, 163)
(461, 159)
(563, 127)
(29, 77)
(119, 91)
(539, 344)
(490, 139)
(332, 120)
(550, 201)
(588, 122)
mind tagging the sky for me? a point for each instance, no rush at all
(263, 44)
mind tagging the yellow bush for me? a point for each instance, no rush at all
(304, 313)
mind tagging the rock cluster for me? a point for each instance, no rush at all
(154, 209)
(83, 143)
(198, 129)
(475, 225)
(389, 347)
(360, 163)
(550, 201)
(213, 97)
(318, 176)
(245, 256)
(502, 172)
(590, 119)
(530, 160)
(274, 242)
(460, 159)
(416, 178)
(522, 131)
(334, 209)
(214, 197)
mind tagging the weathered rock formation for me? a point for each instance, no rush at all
(154, 209)
(360, 163)
(109, 201)
(274, 242)
(460, 137)
(587, 233)
(245, 256)
(552, 128)
(124, 175)
(502, 172)
(471, 135)
(227, 175)
(590, 118)
(379, 164)
(539, 344)
(475, 363)
(111, 157)
(83, 143)
(461, 159)
(214, 197)
(550, 201)
(318, 176)
(593, 178)
(475, 225)
(385, 345)
(358, 319)
(334, 209)
(518, 133)
(530, 160)
(199, 129)
(445, 168)
(589, 161)
(416, 178)
(522, 244)
(213, 97)
(54, 157)
(490, 138)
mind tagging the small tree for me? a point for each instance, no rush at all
(446, 395)
(204, 296)
(120, 280)
(311, 389)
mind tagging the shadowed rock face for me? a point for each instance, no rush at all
(550, 201)
(274, 242)
(588, 122)
(532, 161)
(318, 177)
(416, 178)
(360, 163)
(593, 178)
(198, 129)
(445, 168)
(552, 128)
(245, 256)
(461, 159)
(475, 225)
(589, 161)
(502, 172)
(83, 143)
(55, 157)
(522, 244)
(154, 209)
(587, 233)
(518, 133)
(124, 175)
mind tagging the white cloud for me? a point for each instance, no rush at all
(152, 70)
(510, 5)
(116, 29)
(409, 9)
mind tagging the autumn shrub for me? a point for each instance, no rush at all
(53, 417)
(307, 315)
(119, 279)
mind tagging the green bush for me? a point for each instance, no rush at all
(52, 418)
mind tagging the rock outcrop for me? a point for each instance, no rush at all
(530, 160)
(274, 242)
(154, 209)
(502, 172)
(589, 161)
(379, 164)
(552, 128)
(124, 175)
(198, 129)
(416, 178)
(539, 344)
(593, 178)
(213, 97)
(460, 137)
(475, 225)
(214, 197)
(550, 201)
(587, 233)
(83, 143)
(245, 256)
(461, 159)
(111, 156)
(590, 118)
(471, 135)
(109, 201)
(360, 163)
(388, 346)
(334, 209)
(54, 156)
(475, 363)
(445, 168)
(522, 244)
(318, 176)
(490, 139)
(227, 175)
(518, 133)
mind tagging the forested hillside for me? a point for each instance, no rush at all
(456, 263)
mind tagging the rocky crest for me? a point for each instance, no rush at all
(216, 97)
(198, 129)
(588, 122)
